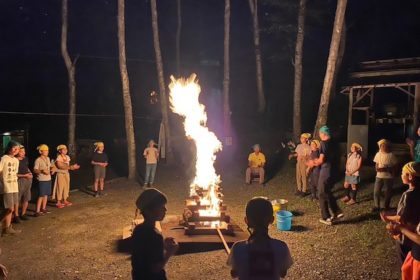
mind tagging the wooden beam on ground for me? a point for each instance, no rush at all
(227, 249)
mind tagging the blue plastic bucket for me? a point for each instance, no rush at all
(284, 220)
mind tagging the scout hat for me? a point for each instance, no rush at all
(98, 144)
(306, 135)
(42, 147)
(61, 147)
(358, 146)
(382, 141)
(412, 168)
(316, 142)
(326, 130)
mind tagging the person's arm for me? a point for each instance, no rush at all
(320, 160)
(292, 155)
(170, 247)
(61, 165)
(145, 153)
(413, 236)
(410, 144)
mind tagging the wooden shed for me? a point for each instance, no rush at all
(384, 102)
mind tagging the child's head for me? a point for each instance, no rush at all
(256, 148)
(21, 152)
(383, 145)
(259, 214)
(151, 143)
(356, 148)
(99, 147)
(151, 204)
(410, 174)
(62, 149)
(43, 150)
(304, 137)
(12, 148)
(324, 133)
(315, 145)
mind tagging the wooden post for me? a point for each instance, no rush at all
(416, 110)
(350, 116)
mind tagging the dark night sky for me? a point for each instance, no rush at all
(33, 77)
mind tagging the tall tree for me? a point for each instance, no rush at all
(297, 91)
(161, 81)
(331, 65)
(253, 6)
(178, 36)
(128, 109)
(226, 70)
(71, 72)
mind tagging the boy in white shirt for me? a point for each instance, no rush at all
(385, 163)
(9, 199)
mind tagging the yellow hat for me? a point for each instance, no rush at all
(61, 147)
(98, 144)
(382, 141)
(412, 168)
(42, 147)
(316, 142)
(306, 135)
(357, 145)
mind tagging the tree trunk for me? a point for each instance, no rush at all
(178, 37)
(71, 72)
(128, 110)
(331, 65)
(161, 81)
(297, 91)
(253, 6)
(340, 56)
(226, 71)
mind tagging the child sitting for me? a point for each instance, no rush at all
(302, 152)
(150, 251)
(408, 207)
(259, 257)
(353, 165)
(385, 163)
(99, 162)
(62, 180)
(313, 171)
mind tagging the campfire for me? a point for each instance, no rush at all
(205, 212)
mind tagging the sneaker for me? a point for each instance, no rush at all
(67, 203)
(338, 216)
(327, 222)
(59, 205)
(351, 202)
(37, 214)
(16, 220)
(24, 217)
(96, 194)
(10, 230)
(45, 211)
(345, 199)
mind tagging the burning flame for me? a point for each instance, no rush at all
(184, 94)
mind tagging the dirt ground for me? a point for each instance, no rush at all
(78, 242)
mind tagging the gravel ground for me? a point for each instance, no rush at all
(78, 242)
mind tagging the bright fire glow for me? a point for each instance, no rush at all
(184, 102)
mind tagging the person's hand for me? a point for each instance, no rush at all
(45, 172)
(28, 176)
(409, 142)
(3, 272)
(76, 166)
(170, 245)
(290, 156)
(105, 164)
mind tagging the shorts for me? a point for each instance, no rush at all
(44, 188)
(8, 200)
(24, 189)
(100, 172)
(354, 180)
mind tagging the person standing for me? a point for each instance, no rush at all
(99, 162)
(151, 154)
(352, 179)
(25, 183)
(327, 201)
(385, 163)
(9, 199)
(256, 162)
(414, 145)
(62, 180)
(302, 154)
(43, 169)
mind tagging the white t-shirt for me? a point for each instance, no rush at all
(8, 168)
(303, 151)
(252, 262)
(353, 163)
(42, 163)
(384, 160)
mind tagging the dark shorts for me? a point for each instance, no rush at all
(24, 189)
(44, 188)
(100, 172)
(8, 200)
